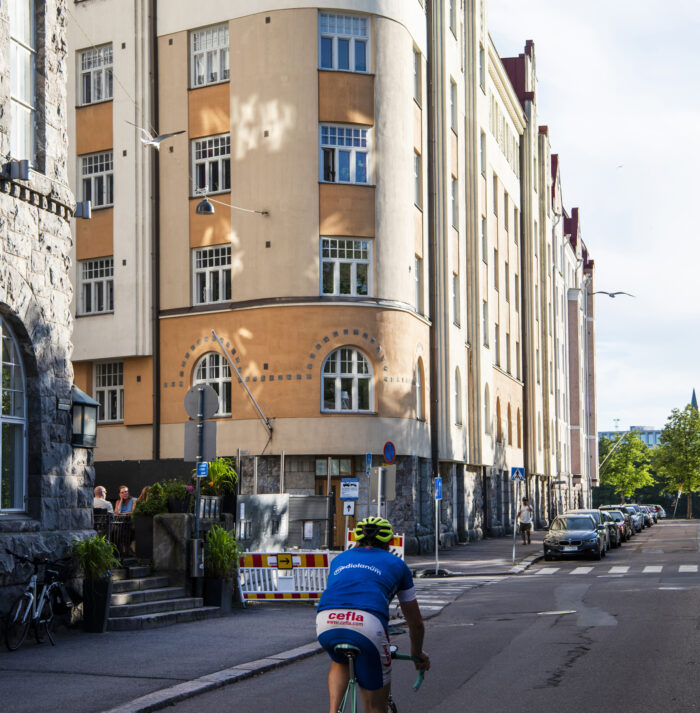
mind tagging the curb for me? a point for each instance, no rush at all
(173, 694)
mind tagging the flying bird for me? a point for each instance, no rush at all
(149, 140)
(612, 294)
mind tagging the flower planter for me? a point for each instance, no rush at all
(179, 505)
(218, 593)
(96, 597)
(143, 536)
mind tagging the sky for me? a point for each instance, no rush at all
(618, 88)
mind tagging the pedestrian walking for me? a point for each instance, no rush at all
(524, 519)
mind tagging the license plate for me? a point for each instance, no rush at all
(570, 548)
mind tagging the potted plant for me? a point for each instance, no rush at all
(97, 558)
(178, 495)
(221, 554)
(222, 482)
(144, 512)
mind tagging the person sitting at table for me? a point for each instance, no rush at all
(100, 502)
(126, 503)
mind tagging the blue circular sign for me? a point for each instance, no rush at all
(389, 452)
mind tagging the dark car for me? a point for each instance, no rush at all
(601, 523)
(648, 519)
(626, 513)
(621, 523)
(572, 535)
(637, 516)
(654, 512)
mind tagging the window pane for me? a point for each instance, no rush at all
(344, 166)
(12, 459)
(326, 53)
(361, 168)
(329, 393)
(346, 394)
(343, 54)
(362, 270)
(363, 394)
(328, 273)
(360, 56)
(345, 278)
(328, 165)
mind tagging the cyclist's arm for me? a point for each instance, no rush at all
(416, 631)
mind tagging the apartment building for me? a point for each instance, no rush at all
(348, 197)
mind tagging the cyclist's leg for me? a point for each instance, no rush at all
(376, 701)
(338, 678)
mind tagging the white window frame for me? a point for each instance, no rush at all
(454, 202)
(458, 398)
(347, 363)
(96, 285)
(97, 178)
(453, 105)
(335, 28)
(23, 50)
(213, 369)
(209, 154)
(417, 77)
(109, 391)
(337, 139)
(418, 266)
(419, 391)
(456, 312)
(211, 274)
(13, 417)
(417, 180)
(95, 74)
(342, 254)
(209, 46)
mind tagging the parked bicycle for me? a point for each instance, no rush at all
(349, 702)
(38, 607)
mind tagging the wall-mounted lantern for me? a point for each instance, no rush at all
(84, 419)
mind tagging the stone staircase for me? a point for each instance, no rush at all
(141, 600)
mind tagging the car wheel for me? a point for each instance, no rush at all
(548, 558)
(603, 551)
(598, 555)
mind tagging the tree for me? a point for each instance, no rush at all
(627, 466)
(677, 458)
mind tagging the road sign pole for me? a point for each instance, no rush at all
(515, 520)
(380, 472)
(200, 456)
(437, 536)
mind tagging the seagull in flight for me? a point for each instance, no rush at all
(612, 294)
(149, 140)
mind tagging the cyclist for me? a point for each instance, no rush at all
(354, 609)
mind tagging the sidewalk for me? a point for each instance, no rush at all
(141, 671)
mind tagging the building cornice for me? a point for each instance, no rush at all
(505, 89)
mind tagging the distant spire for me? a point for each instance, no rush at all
(694, 401)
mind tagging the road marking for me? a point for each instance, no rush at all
(688, 568)
(652, 568)
(582, 570)
(619, 570)
(556, 613)
(548, 570)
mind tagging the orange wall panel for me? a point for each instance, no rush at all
(82, 376)
(346, 98)
(347, 210)
(210, 229)
(93, 128)
(210, 110)
(138, 393)
(95, 237)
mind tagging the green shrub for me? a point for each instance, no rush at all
(222, 478)
(175, 489)
(96, 556)
(155, 503)
(221, 553)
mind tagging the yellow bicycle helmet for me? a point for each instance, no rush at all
(375, 528)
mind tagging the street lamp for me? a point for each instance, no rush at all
(84, 411)
(205, 207)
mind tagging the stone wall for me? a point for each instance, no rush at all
(35, 296)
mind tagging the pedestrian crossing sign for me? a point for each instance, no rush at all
(517, 473)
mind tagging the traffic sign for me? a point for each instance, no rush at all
(438, 488)
(517, 474)
(211, 401)
(368, 464)
(202, 469)
(349, 489)
(349, 507)
(389, 452)
(192, 440)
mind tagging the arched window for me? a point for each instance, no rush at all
(213, 369)
(13, 423)
(510, 426)
(487, 409)
(419, 390)
(499, 424)
(347, 381)
(519, 429)
(458, 398)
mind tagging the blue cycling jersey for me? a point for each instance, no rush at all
(367, 578)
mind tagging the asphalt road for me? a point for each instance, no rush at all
(570, 636)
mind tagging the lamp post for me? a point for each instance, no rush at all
(84, 417)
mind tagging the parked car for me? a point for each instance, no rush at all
(614, 534)
(653, 510)
(648, 519)
(574, 534)
(621, 521)
(637, 516)
(626, 513)
(660, 512)
(600, 522)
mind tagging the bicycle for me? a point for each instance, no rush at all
(350, 652)
(39, 609)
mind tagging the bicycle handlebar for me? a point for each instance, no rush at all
(415, 659)
(39, 560)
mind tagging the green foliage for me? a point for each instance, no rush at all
(174, 489)
(627, 467)
(221, 553)
(222, 478)
(96, 556)
(677, 457)
(155, 503)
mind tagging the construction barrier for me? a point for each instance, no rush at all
(396, 546)
(283, 575)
